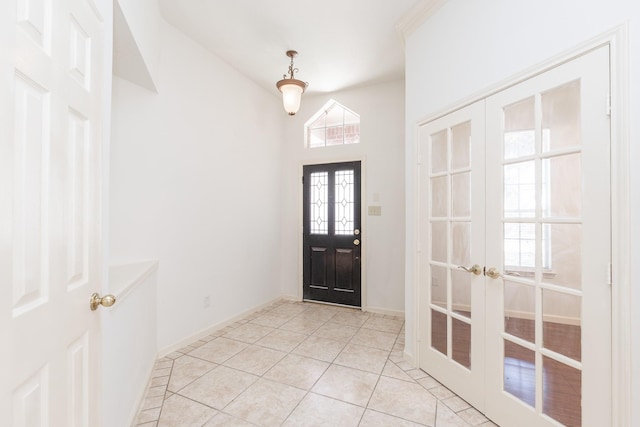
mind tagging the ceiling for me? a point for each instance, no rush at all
(340, 43)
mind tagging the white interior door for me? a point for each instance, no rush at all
(548, 213)
(50, 143)
(538, 226)
(452, 224)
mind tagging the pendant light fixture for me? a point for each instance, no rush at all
(291, 88)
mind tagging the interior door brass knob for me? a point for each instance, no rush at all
(493, 273)
(475, 269)
(96, 301)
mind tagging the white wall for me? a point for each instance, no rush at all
(129, 347)
(195, 184)
(468, 46)
(381, 109)
(143, 21)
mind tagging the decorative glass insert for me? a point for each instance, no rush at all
(318, 200)
(332, 125)
(344, 202)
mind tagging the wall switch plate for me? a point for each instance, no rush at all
(375, 210)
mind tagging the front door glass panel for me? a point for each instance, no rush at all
(319, 199)
(344, 203)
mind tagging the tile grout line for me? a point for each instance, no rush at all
(395, 348)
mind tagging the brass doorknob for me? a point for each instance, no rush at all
(493, 273)
(96, 301)
(475, 269)
(356, 242)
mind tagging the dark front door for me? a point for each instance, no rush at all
(332, 238)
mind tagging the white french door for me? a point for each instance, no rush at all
(525, 335)
(452, 227)
(50, 143)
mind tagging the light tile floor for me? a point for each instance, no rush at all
(301, 364)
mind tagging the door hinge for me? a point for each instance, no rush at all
(608, 105)
(610, 274)
(302, 179)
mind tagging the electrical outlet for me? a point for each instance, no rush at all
(206, 302)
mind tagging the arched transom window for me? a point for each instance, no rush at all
(334, 124)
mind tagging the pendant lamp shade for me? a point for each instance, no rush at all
(291, 88)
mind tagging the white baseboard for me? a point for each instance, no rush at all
(142, 393)
(409, 358)
(210, 329)
(385, 311)
(207, 331)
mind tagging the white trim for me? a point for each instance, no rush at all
(410, 359)
(363, 221)
(210, 329)
(124, 278)
(621, 357)
(142, 393)
(416, 16)
(417, 170)
(385, 311)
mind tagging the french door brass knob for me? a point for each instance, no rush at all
(96, 301)
(475, 269)
(493, 273)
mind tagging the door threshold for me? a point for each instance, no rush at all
(333, 304)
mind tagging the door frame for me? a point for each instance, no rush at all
(617, 40)
(363, 223)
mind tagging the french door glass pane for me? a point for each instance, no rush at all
(561, 117)
(520, 372)
(520, 190)
(461, 292)
(460, 146)
(439, 196)
(461, 243)
(439, 153)
(562, 321)
(562, 189)
(519, 310)
(565, 258)
(461, 194)
(439, 331)
(519, 129)
(562, 388)
(344, 202)
(439, 241)
(318, 200)
(519, 247)
(461, 342)
(439, 286)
